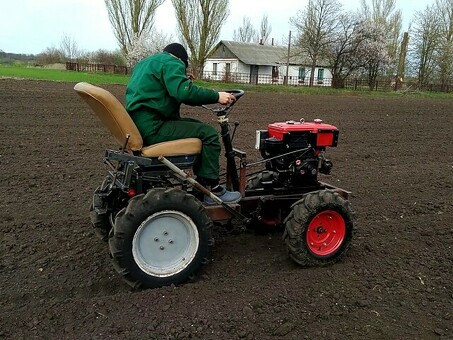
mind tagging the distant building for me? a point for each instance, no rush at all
(256, 63)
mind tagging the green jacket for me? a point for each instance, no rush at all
(156, 89)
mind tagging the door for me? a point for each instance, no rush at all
(254, 74)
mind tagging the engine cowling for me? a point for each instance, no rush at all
(295, 149)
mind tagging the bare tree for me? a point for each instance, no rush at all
(265, 30)
(108, 57)
(68, 47)
(245, 33)
(131, 18)
(50, 55)
(444, 9)
(425, 39)
(199, 24)
(342, 53)
(316, 29)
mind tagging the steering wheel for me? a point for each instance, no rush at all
(236, 93)
(224, 110)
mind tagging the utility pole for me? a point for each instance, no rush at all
(287, 60)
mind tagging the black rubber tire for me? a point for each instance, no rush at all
(100, 222)
(259, 226)
(299, 219)
(139, 218)
(255, 182)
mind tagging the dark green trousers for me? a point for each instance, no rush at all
(208, 165)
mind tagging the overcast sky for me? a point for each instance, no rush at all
(30, 26)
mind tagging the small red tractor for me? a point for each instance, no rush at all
(149, 208)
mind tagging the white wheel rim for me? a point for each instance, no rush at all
(165, 243)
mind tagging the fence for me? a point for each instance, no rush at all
(259, 79)
(82, 67)
(263, 79)
(246, 78)
(356, 84)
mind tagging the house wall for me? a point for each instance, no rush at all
(240, 73)
(237, 69)
(293, 75)
(236, 66)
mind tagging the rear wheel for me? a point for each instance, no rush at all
(161, 238)
(318, 230)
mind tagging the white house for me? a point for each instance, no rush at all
(261, 64)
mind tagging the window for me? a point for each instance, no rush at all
(214, 69)
(320, 74)
(301, 74)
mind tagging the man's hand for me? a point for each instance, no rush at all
(190, 76)
(226, 98)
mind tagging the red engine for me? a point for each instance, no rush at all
(316, 133)
(295, 149)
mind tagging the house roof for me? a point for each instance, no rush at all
(262, 55)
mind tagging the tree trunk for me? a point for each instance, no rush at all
(372, 75)
(312, 73)
(337, 81)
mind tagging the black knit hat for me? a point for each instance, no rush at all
(178, 51)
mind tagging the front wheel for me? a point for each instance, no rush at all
(318, 230)
(161, 238)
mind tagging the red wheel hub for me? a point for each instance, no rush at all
(326, 233)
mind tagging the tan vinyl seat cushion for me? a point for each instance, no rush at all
(179, 147)
(114, 116)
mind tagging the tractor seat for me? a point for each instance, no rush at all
(115, 117)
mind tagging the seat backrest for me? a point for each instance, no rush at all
(112, 114)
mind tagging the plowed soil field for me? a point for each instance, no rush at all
(57, 281)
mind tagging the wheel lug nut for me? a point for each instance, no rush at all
(156, 239)
(162, 247)
(165, 233)
(170, 241)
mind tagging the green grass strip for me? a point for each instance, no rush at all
(61, 75)
(39, 73)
